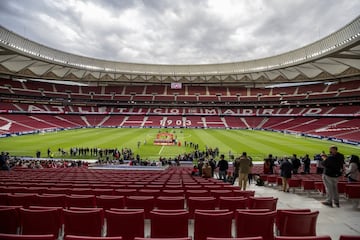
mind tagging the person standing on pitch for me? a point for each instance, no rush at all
(333, 167)
(245, 164)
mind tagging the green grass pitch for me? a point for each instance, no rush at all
(257, 144)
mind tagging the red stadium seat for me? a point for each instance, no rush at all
(59, 210)
(352, 191)
(212, 224)
(57, 190)
(16, 189)
(259, 210)
(83, 222)
(80, 191)
(194, 203)
(244, 238)
(280, 217)
(26, 237)
(244, 193)
(85, 209)
(262, 203)
(294, 183)
(102, 191)
(50, 200)
(9, 219)
(169, 224)
(173, 193)
(3, 197)
(163, 202)
(107, 202)
(220, 193)
(349, 237)
(74, 237)
(80, 201)
(149, 192)
(21, 199)
(197, 193)
(233, 203)
(141, 202)
(128, 223)
(303, 238)
(125, 192)
(308, 184)
(292, 221)
(185, 238)
(40, 221)
(255, 224)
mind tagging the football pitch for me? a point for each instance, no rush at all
(256, 143)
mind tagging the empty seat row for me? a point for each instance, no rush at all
(76, 237)
(62, 200)
(148, 203)
(175, 190)
(164, 223)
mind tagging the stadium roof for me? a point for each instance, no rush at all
(333, 57)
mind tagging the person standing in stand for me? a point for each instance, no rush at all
(223, 167)
(333, 167)
(285, 172)
(306, 160)
(244, 169)
(352, 172)
(212, 163)
(236, 166)
(206, 170)
(295, 161)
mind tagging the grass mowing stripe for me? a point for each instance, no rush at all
(211, 139)
(236, 141)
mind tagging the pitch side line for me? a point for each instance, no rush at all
(162, 148)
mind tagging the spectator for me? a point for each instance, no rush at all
(200, 166)
(236, 166)
(4, 161)
(272, 164)
(245, 164)
(267, 165)
(230, 178)
(319, 166)
(306, 161)
(223, 167)
(250, 175)
(285, 173)
(333, 166)
(195, 171)
(206, 170)
(296, 164)
(352, 172)
(212, 163)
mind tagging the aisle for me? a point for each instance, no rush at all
(331, 221)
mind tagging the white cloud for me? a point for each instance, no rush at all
(176, 32)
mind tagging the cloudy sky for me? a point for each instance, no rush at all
(176, 31)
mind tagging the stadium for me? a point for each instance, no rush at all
(61, 112)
